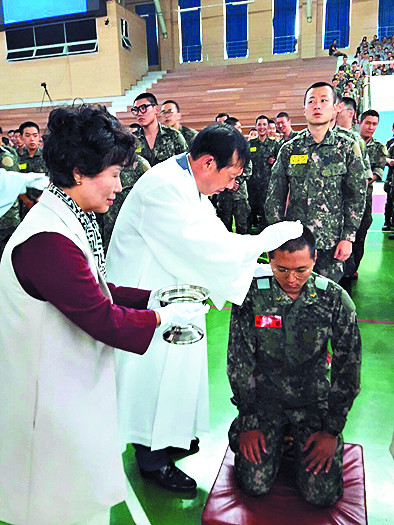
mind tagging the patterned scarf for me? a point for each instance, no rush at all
(89, 224)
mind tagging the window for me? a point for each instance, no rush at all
(337, 17)
(285, 25)
(236, 16)
(386, 18)
(62, 38)
(148, 13)
(124, 34)
(189, 22)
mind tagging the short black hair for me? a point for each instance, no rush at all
(169, 101)
(270, 121)
(221, 141)
(369, 113)
(220, 115)
(231, 121)
(262, 117)
(349, 103)
(341, 68)
(149, 96)
(355, 62)
(283, 114)
(28, 124)
(86, 138)
(307, 239)
(11, 131)
(318, 85)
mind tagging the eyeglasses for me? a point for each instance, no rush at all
(298, 273)
(140, 109)
(167, 112)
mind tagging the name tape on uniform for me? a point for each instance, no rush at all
(22, 166)
(298, 159)
(268, 321)
(253, 149)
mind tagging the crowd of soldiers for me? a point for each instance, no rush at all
(258, 198)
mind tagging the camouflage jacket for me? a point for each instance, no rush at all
(355, 135)
(260, 152)
(10, 220)
(325, 183)
(291, 136)
(34, 164)
(168, 142)
(128, 178)
(188, 134)
(390, 155)
(242, 192)
(377, 155)
(272, 369)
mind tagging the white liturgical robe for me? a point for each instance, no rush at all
(168, 233)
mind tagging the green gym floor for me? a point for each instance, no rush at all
(370, 422)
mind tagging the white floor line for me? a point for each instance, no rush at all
(135, 507)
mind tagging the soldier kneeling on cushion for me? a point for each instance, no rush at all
(278, 371)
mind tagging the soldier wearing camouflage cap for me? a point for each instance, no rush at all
(322, 174)
(279, 373)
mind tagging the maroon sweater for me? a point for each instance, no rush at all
(50, 267)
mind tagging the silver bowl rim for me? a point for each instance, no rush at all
(159, 295)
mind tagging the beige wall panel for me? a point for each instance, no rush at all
(133, 63)
(86, 76)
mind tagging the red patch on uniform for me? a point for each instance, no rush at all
(268, 321)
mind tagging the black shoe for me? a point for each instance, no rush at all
(391, 236)
(177, 451)
(170, 477)
(386, 228)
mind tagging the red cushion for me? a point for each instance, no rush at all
(228, 505)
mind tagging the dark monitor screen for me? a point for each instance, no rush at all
(18, 13)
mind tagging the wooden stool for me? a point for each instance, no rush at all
(228, 505)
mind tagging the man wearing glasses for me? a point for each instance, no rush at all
(157, 143)
(279, 374)
(171, 116)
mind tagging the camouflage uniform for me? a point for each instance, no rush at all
(35, 164)
(10, 220)
(279, 377)
(377, 155)
(128, 178)
(389, 187)
(188, 134)
(326, 187)
(349, 265)
(258, 182)
(291, 136)
(168, 142)
(235, 204)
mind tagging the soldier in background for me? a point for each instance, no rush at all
(31, 160)
(283, 123)
(171, 116)
(271, 129)
(388, 210)
(323, 176)
(234, 202)
(128, 177)
(278, 369)
(377, 153)
(156, 142)
(263, 153)
(19, 145)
